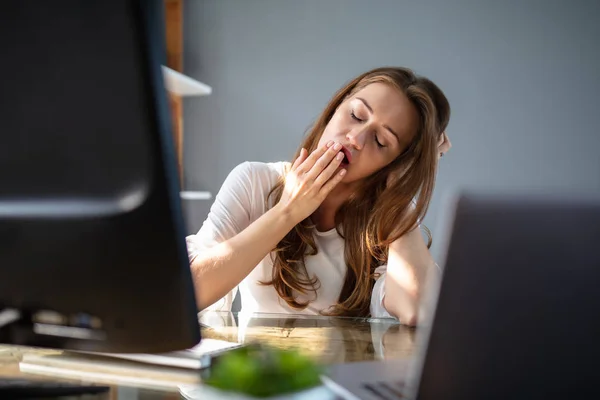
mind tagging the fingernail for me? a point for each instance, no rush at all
(337, 146)
(343, 172)
(330, 143)
(339, 156)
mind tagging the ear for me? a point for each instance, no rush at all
(444, 144)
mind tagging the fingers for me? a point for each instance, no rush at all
(329, 170)
(313, 157)
(328, 187)
(324, 161)
(300, 158)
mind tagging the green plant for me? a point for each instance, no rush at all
(261, 371)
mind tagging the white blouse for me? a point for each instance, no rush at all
(241, 201)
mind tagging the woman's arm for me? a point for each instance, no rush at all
(217, 270)
(409, 262)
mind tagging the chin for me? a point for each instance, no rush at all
(352, 177)
(349, 178)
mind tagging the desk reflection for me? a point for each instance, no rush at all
(329, 340)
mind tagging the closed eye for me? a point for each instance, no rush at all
(354, 116)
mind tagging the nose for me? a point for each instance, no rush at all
(358, 137)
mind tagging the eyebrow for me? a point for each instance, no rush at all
(385, 126)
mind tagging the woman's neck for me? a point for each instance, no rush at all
(324, 215)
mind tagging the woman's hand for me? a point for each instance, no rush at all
(444, 144)
(310, 180)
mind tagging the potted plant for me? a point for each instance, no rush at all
(260, 372)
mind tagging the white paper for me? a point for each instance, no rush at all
(197, 357)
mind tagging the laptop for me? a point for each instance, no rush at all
(517, 311)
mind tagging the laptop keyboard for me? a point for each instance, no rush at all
(385, 390)
(16, 388)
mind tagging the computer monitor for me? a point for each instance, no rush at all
(92, 237)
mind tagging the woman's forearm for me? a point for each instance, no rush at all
(219, 269)
(409, 261)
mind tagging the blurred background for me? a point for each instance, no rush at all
(521, 77)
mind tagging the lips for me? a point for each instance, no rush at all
(347, 156)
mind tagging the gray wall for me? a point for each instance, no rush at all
(521, 77)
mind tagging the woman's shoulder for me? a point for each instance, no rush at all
(261, 172)
(278, 168)
(252, 181)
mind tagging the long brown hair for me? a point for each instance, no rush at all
(377, 213)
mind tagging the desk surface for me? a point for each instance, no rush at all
(328, 340)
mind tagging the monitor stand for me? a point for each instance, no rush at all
(18, 328)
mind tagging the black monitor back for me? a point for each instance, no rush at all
(517, 310)
(92, 249)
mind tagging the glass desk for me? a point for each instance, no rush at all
(329, 340)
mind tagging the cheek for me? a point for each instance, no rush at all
(332, 130)
(325, 137)
(373, 163)
(337, 126)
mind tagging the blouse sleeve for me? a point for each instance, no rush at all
(377, 308)
(228, 216)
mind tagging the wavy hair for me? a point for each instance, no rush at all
(380, 211)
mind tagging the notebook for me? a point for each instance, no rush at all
(154, 371)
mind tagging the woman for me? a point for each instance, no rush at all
(337, 232)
